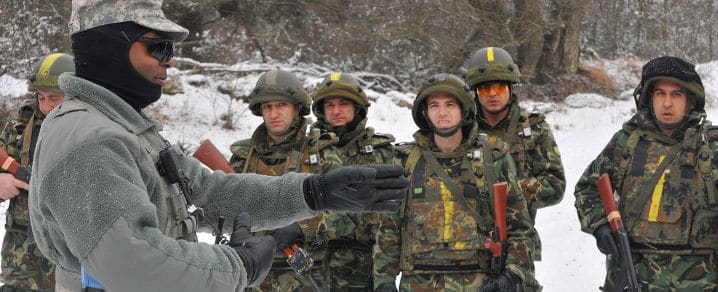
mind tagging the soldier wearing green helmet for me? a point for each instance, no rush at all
(437, 239)
(281, 145)
(492, 75)
(24, 268)
(341, 105)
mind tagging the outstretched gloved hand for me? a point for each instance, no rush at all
(256, 251)
(356, 188)
(287, 235)
(606, 242)
(506, 282)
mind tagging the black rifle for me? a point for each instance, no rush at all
(626, 280)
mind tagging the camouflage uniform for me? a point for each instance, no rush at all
(24, 268)
(297, 153)
(532, 146)
(351, 235)
(665, 188)
(437, 241)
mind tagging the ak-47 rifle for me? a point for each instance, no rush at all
(497, 242)
(9, 164)
(626, 278)
(298, 259)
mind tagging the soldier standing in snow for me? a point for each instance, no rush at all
(281, 145)
(341, 105)
(23, 265)
(101, 201)
(437, 239)
(492, 74)
(663, 167)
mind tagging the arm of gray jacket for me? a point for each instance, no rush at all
(271, 201)
(93, 206)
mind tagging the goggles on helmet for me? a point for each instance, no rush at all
(499, 88)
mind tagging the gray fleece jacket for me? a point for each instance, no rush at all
(97, 199)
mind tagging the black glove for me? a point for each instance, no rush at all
(356, 188)
(506, 282)
(256, 251)
(287, 235)
(386, 288)
(606, 242)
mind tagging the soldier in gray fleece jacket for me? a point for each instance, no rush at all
(98, 199)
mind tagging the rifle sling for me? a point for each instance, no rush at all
(436, 168)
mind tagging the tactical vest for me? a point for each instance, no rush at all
(443, 231)
(520, 127)
(668, 193)
(21, 134)
(307, 156)
(363, 149)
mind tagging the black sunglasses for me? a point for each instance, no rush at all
(160, 49)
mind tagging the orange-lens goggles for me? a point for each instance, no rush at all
(498, 88)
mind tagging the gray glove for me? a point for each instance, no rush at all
(506, 282)
(356, 188)
(256, 251)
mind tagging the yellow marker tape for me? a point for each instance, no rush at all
(335, 76)
(448, 210)
(45, 69)
(657, 194)
(490, 54)
(492, 138)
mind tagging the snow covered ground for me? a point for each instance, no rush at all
(582, 125)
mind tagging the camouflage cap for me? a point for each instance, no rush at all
(87, 14)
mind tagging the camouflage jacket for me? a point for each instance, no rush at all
(298, 153)
(351, 236)
(435, 232)
(538, 161)
(665, 186)
(312, 153)
(19, 144)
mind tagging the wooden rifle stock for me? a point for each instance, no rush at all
(208, 154)
(497, 243)
(628, 280)
(11, 165)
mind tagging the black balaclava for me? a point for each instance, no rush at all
(102, 55)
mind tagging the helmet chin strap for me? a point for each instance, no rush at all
(448, 132)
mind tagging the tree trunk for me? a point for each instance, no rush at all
(562, 45)
(530, 26)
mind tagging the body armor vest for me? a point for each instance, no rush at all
(440, 233)
(668, 189)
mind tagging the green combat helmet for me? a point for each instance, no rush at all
(47, 71)
(279, 85)
(491, 64)
(340, 84)
(448, 83)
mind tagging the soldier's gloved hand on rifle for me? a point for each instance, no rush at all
(256, 251)
(356, 188)
(606, 242)
(287, 235)
(506, 282)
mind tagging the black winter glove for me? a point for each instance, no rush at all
(606, 242)
(287, 235)
(256, 251)
(356, 188)
(506, 282)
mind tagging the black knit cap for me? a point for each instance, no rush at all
(102, 55)
(674, 69)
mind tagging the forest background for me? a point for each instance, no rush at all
(403, 41)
